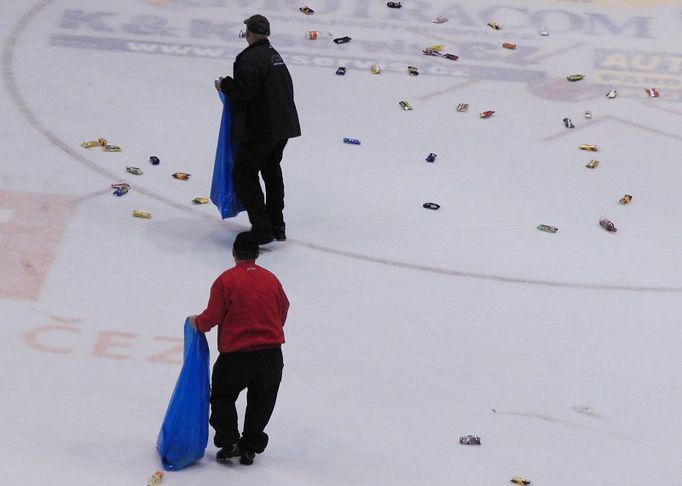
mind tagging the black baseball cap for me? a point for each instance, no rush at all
(257, 24)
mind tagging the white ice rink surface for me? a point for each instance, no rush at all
(408, 327)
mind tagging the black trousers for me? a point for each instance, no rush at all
(265, 211)
(260, 372)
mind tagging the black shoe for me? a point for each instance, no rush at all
(247, 458)
(279, 233)
(263, 238)
(227, 452)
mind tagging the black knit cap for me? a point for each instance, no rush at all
(245, 246)
(257, 24)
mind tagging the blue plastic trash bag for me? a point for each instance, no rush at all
(184, 433)
(222, 187)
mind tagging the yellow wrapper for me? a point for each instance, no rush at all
(142, 214)
(200, 200)
(90, 144)
(589, 148)
(181, 175)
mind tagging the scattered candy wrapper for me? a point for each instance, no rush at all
(607, 225)
(183, 176)
(156, 479)
(342, 40)
(431, 205)
(154, 160)
(112, 148)
(470, 440)
(431, 157)
(588, 115)
(120, 191)
(405, 105)
(341, 71)
(313, 35)
(494, 25)
(142, 214)
(200, 200)
(592, 164)
(625, 199)
(547, 228)
(440, 19)
(394, 5)
(432, 52)
(575, 77)
(653, 93)
(120, 185)
(351, 141)
(413, 71)
(307, 10)
(612, 94)
(100, 142)
(589, 148)
(437, 48)
(463, 107)
(90, 144)
(376, 69)
(543, 31)
(486, 114)
(519, 480)
(134, 170)
(509, 45)
(568, 123)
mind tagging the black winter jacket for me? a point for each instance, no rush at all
(262, 96)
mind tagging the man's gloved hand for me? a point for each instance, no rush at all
(217, 82)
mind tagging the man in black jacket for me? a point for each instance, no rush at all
(264, 118)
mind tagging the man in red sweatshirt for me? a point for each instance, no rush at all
(249, 306)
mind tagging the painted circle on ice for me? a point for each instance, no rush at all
(25, 109)
(562, 90)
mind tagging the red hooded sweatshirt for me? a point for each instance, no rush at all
(249, 306)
